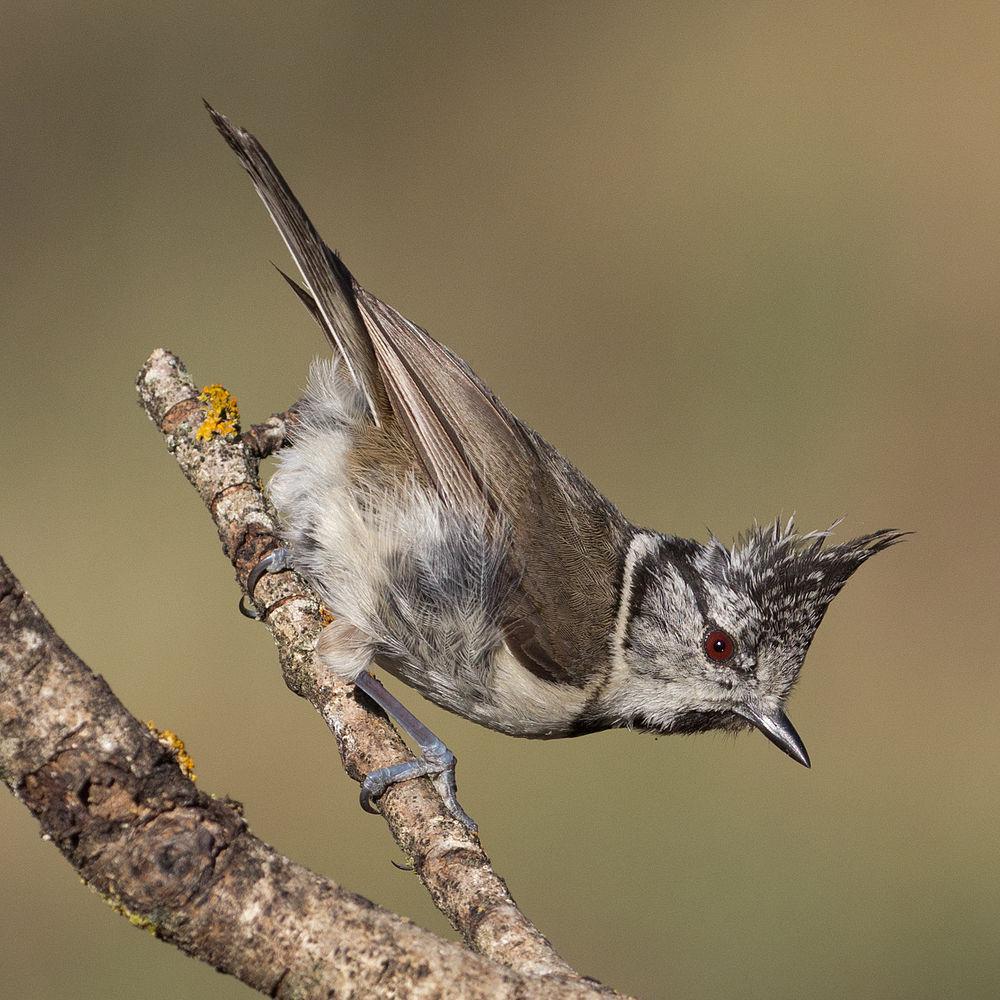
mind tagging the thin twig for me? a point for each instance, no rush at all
(270, 435)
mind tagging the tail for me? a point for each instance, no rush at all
(330, 296)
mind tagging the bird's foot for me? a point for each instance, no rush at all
(436, 761)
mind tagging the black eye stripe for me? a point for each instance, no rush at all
(680, 553)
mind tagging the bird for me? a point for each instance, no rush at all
(463, 554)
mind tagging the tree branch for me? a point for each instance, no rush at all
(447, 857)
(183, 865)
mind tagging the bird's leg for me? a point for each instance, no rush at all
(348, 652)
(436, 761)
(276, 561)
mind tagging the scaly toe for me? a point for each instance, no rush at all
(445, 784)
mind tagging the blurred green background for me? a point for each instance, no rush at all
(732, 259)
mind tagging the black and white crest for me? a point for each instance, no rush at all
(792, 578)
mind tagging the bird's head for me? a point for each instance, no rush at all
(712, 637)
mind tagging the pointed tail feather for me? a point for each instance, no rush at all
(304, 297)
(328, 281)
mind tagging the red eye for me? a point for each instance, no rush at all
(719, 645)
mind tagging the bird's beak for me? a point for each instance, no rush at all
(777, 727)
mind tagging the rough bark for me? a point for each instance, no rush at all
(449, 859)
(113, 798)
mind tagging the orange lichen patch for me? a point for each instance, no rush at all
(169, 739)
(326, 614)
(222, 415)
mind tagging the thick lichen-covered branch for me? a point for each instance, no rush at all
(448, 858)
(117, 799)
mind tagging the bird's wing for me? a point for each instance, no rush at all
(567, 540)
(464, 437)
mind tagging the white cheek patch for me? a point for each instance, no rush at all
(677, 606)
(660, 670)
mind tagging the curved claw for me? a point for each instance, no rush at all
(447, 788)
(370, 790)
(276, 561)
(248, 612)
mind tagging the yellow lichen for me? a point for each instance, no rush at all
(169, 739)
(135, 919)
(222, 415)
